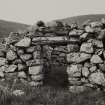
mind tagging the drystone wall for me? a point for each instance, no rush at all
(23, 56)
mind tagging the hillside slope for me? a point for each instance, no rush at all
(81, 19)
(6, 27)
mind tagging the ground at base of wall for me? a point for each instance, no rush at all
(47, 96)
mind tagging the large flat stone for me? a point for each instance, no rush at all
(77, 57)
(26, 42)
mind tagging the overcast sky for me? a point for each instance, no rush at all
(30, 11)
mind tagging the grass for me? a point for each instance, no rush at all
(49, 96)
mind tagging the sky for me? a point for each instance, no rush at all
(30, 11)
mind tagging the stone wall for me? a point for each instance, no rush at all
(24, 55)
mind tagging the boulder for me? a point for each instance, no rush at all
(85, 71)
(3, 61)
(77, 57)
(11, 68)
(97, 78)
(34, 70)
(26, 42)
(22, 74)
(96, 59)
(74, 70)
(87, 48)
(26, 57)
(11, 55)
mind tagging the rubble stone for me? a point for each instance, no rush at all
(36, 55)
(85, 71)
(34, 62)
(3, 68)
(26, 42)
(37, 77)
(77, 57)
(26, 57)
(11, 68)
(11, 55)
(21, 67)
(88, 29)
(35, 70)
(87, 47)
(73, 47)
(102, 67)
(93, 68)
(1, 74)
(22, 74)
(96, 59)
(97, 78)
(74, 70)
(20, 52)
(2, 61)
(31, 49)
